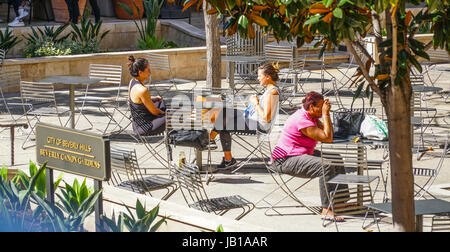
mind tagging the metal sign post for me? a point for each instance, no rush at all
(76, 152)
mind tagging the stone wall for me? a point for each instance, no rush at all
(186, 63)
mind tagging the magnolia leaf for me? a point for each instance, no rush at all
(338, 12)
(243, 21)
(328, 3)
(315, 19)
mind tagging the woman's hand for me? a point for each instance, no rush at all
(156, 99)
(326, 107)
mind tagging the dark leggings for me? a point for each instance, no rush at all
(95, 9)
(74, 11)
(157, 124)
(232, 120)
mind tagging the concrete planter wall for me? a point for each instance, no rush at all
(185, 64)
(123, 36)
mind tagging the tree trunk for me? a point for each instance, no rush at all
(213, 68)
(402, 180)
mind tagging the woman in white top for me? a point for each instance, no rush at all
(258, 115)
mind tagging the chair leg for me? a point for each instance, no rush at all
(81, 114)
(28, 137)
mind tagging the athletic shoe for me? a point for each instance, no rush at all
(226, 164)
(16, 23)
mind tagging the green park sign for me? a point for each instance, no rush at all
(73, 151)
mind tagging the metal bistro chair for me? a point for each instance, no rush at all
(440, 223)
(127, 175)
(285, 54)
(284, 182)
(422, 119)
(190, 183)
(41, 97)
(438, 57)
(111, 75)
(11, 104)
(245, 72)
(161, 62)
(430, 174)
(348, 201)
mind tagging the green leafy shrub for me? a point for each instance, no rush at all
(23, 206)
(46, 41)
(147, 35)
(141, 223)
(19, 198)
(49, 41)
(88, 35)
(8, 40)
(152, 42)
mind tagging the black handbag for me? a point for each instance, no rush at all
(198, 139)
(347, 122)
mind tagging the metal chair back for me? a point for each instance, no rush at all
(127, 174)
(159, 62)
(121, 160)
(344, 155)
(10, 78)
(112, 74)
(40, 98)
(284, 51)
(190, 182)
(9, 81)
(238, 46)
(348, 201)
(440, 223)
(37, 93)
(438, 55)
(194, 193)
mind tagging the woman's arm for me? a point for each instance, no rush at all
(265, 114)
(145, 97)
(325, 134)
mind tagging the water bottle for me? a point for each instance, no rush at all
(182, 159)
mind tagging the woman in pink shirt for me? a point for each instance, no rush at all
(294, 153)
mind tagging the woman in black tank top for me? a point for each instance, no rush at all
(147, 113)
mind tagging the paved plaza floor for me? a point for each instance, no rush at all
(260, 182)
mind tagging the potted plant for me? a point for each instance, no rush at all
(136, 6)
(61, 11)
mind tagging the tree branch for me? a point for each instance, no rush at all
(363, 50)
(366, 74)
(394, 47)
